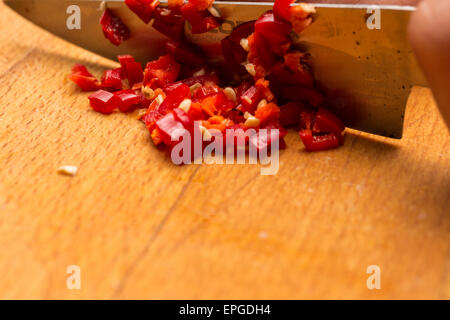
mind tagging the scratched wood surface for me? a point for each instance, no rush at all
(140, 227)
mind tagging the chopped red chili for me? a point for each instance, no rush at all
(104, 101)
(176, 93)
(84, 79)
(263, 139)
(300, 94)
(161, 72)
(169, 22)
(201, 4)
(281, 9)
(170, 129)
(112, 79)
(81, 70)
(143, 8)
(232, 50)
(266, 83)
(185, 53)
(128, 99)
(320, 130)
(242, 31)
(290, 114)
(267, 113)
(275, 31)
(113, 28)
(123, 59)
(134, 72)
(201, 21)
(319, 142)
(250, 99)
(205, 80)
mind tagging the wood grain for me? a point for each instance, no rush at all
(140, 227)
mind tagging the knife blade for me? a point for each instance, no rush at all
(366, 73)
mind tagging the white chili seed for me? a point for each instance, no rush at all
(247, 99)
(68, 170)
(214, 12)
(262, 103)
(194, 87)
(199, 73)
(251, 122)
(205, 134)
(230, 93)
(250, 67)
(165, 12)
(159, 99)
(148, 92)
(244, 44)
(185, 105)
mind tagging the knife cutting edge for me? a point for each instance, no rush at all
(366, 73)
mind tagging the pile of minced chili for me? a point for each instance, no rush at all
(264, 83)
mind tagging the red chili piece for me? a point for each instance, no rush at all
(83, 78)
(113, 28)
(104, 101)
(171, 129)
(112, 79)
(169, 23)
(281, 9)
(274, 30)
(200, 21)
(175, 94)
(184, 53)
(134, 72)
(320, 130)
(250, 99)
(232, 50)
(161, 72)
(128, 99)
(319, 142)
(143, 8)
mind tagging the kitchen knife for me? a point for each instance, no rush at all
(360, 54)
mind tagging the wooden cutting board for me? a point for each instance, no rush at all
(140, 227)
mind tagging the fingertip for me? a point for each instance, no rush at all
(430, 23)
(429, 35)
